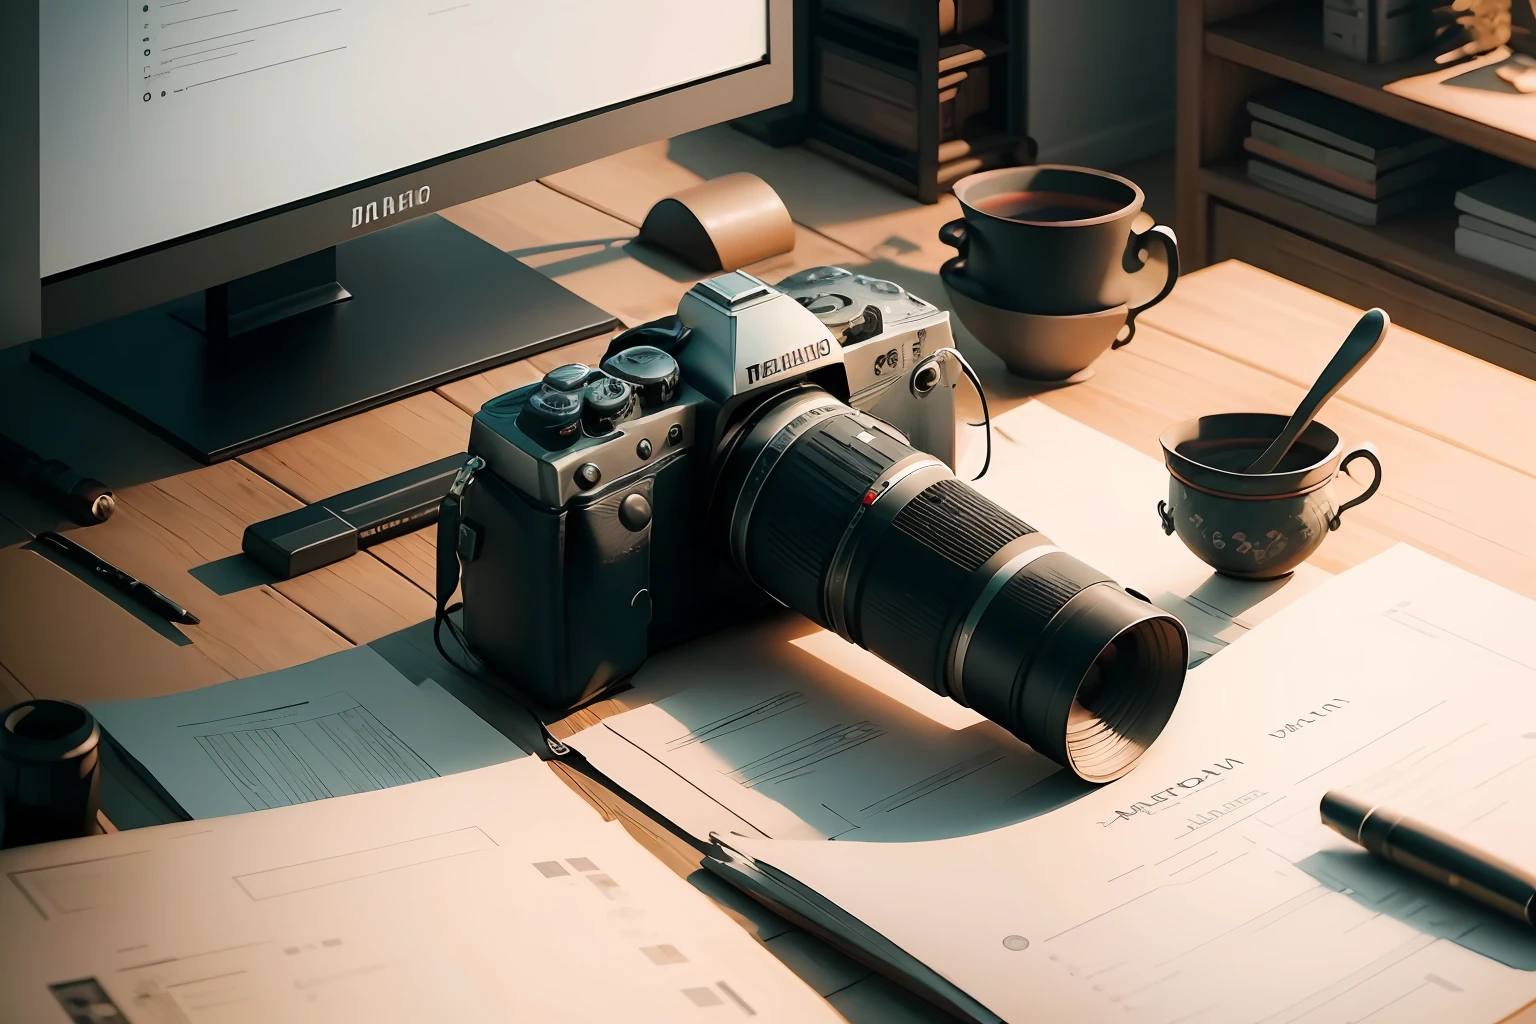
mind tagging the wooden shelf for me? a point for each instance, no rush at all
(1420, 246)
(1285, 40)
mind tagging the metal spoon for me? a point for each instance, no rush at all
(1364, 339)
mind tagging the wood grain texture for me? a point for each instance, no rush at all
(11, 690)
(1294, 257)
(1291, 331)
(413, 556)
(360, 597)
(363, 448)
(60, 638)
(824, 196)
(1442, 498)
(164, 529)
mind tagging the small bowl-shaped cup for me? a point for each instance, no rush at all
(1255, 526)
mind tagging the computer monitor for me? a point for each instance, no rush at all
(233, 236)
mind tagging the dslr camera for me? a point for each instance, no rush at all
(762, 446)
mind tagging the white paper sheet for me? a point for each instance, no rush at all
(1201, 888)
(343, 724)
(492, 895)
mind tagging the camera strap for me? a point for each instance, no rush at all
(938, 356)
(457, 541)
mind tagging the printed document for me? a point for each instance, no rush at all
(492, 895)
(347, 723)
(1202, 887)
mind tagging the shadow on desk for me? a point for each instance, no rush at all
(59, 421)
(1423, 906)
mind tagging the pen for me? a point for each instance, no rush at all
(87, 501)
(143, 593)
(1433, 854)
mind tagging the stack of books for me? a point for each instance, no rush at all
(1327, 153)
(866, 84)
(954, 15)
(862, 95)
(1497, 224)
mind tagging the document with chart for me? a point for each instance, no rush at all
(343, 724)
(492, 895)
(1202, 888)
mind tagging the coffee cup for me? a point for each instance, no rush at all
(1059, 241)
(1045, 349)
(1255, 526)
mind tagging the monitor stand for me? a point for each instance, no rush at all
(380, 317)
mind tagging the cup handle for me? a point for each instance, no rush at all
(1165, 516)
(1163, 238)
(1367, 452)
(954, 234)
(1157, 237)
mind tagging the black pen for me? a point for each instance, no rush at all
(1433, 854)
(143, 593)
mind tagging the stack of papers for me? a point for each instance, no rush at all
(490, 895)
(343, 724)
(1202, 887)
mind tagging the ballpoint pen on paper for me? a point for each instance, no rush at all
(1432, 854)
(110, 574)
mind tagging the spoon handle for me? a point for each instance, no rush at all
(1364, 339)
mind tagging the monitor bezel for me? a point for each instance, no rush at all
(190, 264)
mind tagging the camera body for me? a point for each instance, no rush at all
(589, 539)
(887, 333)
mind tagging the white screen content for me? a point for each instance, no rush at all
(160, 118)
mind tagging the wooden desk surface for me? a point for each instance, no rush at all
(1453, 432)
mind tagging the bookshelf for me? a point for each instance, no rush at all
(873, 78)
(1229, 50)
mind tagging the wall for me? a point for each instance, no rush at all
(1101, 79)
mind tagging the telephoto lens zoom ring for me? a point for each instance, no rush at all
(859, 532)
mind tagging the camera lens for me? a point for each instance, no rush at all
(836, 516)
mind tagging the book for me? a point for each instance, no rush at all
(1315, 152)
(1509, 199)
(906, 18)
(1488, 227)
(1387, 184)
(1336, 201)
(1381, 140)
(1497, 252)
(876, 102)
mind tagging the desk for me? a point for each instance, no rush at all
(1454, 435)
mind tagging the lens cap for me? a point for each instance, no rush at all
(653, 373)
(552, 417)
(607, 402)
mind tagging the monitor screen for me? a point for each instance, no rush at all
(161, 119)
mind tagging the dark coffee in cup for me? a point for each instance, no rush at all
(1045, 207)
(1058, 241)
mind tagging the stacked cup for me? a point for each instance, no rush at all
(1052, 270)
